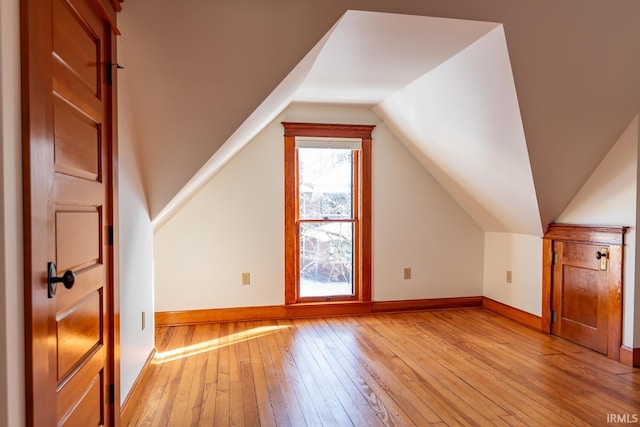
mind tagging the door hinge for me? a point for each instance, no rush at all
(110, 235)
(110, 68)
(112, 394)
(109, 74)
(554, 258)
(554, 316)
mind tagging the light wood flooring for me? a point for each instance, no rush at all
(457, 367)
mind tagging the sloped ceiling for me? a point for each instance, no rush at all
(462, 121)
(205, 76)
(369, 56)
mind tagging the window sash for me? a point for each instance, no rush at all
(355, 212)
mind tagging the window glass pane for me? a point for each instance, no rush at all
(326, 259)
(326, 187)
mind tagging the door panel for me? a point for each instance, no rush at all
(580, 296)
(78, 236)
(77, 42)
(77, 142)
(79, 333)
(79, 402)
(580, 256)
(84, 414)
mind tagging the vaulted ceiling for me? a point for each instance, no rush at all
(510, 105)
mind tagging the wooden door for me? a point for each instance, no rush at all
(583, 287)
(580, 300)
(68, 46)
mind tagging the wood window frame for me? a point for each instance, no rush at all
(362, 252)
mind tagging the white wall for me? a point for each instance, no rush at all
(135, 246)
(11, 285)
(417, 224)
(609, 197)
(636, 311)
(522, 255)
(235, 224)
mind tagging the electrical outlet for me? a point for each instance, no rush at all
(407, 273)
(509, 276)
(246, 279)
(144, 320)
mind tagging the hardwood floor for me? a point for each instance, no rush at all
(457, 367)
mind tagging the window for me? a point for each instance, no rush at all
(327, 212)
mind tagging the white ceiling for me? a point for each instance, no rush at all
(443, 85)
(205, 77)
(369, 56)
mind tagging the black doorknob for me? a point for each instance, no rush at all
(68, 279)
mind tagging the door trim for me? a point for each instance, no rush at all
(37, 120)
(612, 236)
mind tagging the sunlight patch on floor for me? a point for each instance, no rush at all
(215, 344)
